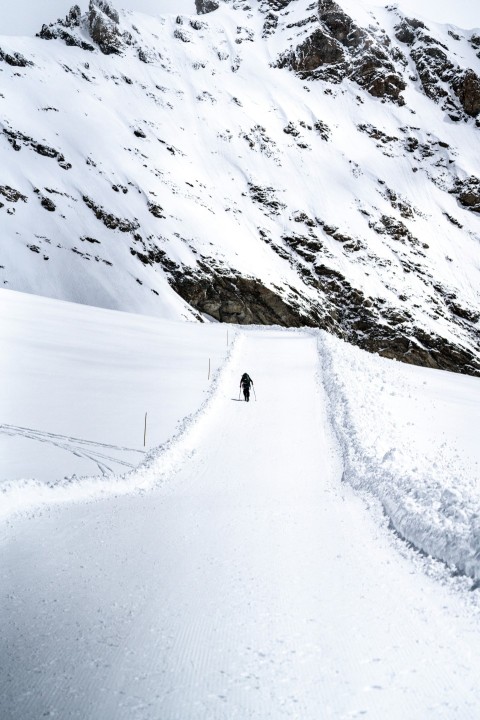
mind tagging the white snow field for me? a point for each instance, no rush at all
(77, 382)
(237, 573)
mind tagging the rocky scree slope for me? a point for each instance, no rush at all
(274, 162)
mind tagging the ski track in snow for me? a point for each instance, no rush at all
(253, 584)
(77, 446)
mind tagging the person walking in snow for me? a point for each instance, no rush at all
(245, 383)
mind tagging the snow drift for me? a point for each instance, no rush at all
(409, 437)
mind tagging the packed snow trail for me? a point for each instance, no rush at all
(252, 584)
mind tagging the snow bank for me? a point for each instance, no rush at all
(409, 436)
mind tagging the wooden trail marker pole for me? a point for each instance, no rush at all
(145, 431)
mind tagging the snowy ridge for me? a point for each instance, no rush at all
(26, 495)
(252, 164)
(410, 449)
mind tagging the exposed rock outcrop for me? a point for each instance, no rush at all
(15, 59)
(62, 30)
(237, 299)
(346, 312)
(112, 222)
(468, 193)
(203, 7)
(17, 140)
(442, 79)
(338, 48)
(103, 22)
(467, 87)
(11, 194)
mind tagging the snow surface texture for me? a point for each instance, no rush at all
(185, 160)
(409, 436)
(79, 383)
(252, 583)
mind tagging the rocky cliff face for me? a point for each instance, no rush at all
(457, 89)
(285, 163)
(337, 48)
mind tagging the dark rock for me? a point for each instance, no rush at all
(11, 194)
(453, 220)
(46, 33)
(405, 30)
(102, 21)
(234, 299)
(277, 5)
(107, 8)
(108, 219)
(143, 56)
(270, 24)
(342, 309)
(290, 129)
(339, 49)
(60, 30)
(90, 240)
(322, 129)
(45, 150)
(377, 134)
(18, 139)
(467, 88)
(461, 311)
(396, 229)
(317, 50)
(442, 80)
(48, 204)
(156, 210)
(468, 193)
(379, 77)
(203, 7)
(181, 35)
(51, 32)
(73, 17)
(266, 197)
(15, 60)
(434, 68)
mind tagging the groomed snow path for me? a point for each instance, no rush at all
(252, 584)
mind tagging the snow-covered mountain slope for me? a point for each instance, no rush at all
(277, 162)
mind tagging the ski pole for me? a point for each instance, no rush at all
(239, 393)
(253, 388)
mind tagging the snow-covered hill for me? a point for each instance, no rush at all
(271, 162)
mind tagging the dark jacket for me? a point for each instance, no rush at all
(246, 380)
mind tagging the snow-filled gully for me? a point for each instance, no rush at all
(251, 583)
